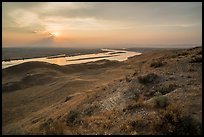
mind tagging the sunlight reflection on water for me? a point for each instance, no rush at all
(119, 55)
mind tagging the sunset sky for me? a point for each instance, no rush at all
(78, 24)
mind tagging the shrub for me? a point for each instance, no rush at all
(161, 100)
(190, 68)
(199, 52)
(73, 118)
(127, 78)
(157, 63)
(197, 59)
(139, 124)
(164, 89)
(132, 108)
(89, 111)
(149, 78)
(52, 128)
(132, 93)
(173, 56)
(126, 129)
(183, 54)
(174, 122)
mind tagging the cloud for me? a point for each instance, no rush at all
(173, 25)
(157, 12)
(66, 5)
(24, 18)
(90, 24)
(79, 19)
(29, 19)
(44, 34)
(38, 14)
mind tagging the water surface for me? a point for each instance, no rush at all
(118, 55)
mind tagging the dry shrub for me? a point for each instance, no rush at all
(90, 110)
(196, 59)
(132, 108)
(157, 64)
(160, 100)
(190, 68)
(166, 88)
(173, 56)
(126, 127)
(128, 79)
(174, 122)
(52, 128)
(143, 125)
(183, 54)
(73, 118)
(132, 92)
(199, 52)
(149, 78)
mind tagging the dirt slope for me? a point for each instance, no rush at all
(158, 92)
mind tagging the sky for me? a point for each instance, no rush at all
(101, 24)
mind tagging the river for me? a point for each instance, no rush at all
(110, 54)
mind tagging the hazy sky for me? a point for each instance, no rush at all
(74, 24)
